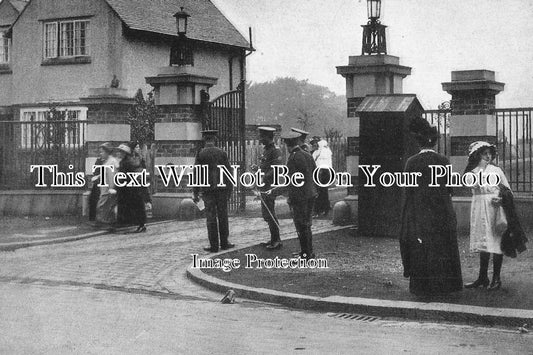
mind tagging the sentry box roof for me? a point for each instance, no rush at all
(390, 103)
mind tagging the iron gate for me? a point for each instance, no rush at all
(440, 118)
(23, 144)
(515, 146)
(226, 114)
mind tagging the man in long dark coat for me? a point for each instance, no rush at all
(428, 236)
(301, 199)
(215, 197)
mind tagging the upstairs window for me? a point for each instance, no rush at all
(64, 39)
(5, 44)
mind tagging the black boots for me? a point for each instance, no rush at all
(483, 279)
(480, 282)
(496, 284)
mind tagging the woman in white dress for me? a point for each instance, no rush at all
(105, 208)
(323, 159)
(485, 236)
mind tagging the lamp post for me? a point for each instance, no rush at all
(374, 40)
(181, 52)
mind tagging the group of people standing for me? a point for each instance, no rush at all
(111, 206)
(301, 199)
(305, 201)
(428, 237)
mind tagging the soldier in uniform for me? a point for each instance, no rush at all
(303, 136)
(301, 199)
(271, 156)
(215, 197)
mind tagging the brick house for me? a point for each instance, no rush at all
(67, 52)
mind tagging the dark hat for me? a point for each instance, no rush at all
(108, 147)
(300, 131)
(288, 136)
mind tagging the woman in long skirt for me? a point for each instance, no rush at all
(485, 236)
(428, 237)
(94, 196)
(131, 199)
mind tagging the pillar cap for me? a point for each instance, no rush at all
(181, 75)
(468, 80)
(374, 64)
(108, 96)
(181, 79)
(470, 85)
(400, 70)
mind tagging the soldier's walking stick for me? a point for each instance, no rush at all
(266, 206)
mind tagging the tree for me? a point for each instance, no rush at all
(295, 103)
(305, 119)
(332, 133)
(142, 117)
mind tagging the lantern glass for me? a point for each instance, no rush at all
(373, 9)
(181, 21)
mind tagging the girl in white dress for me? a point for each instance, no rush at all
(485, 237)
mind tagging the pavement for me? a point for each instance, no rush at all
(34, 231)
(31, 237)
(108, 265)
(128, 293)
(146, 262)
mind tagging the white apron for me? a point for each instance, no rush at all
(483, 235)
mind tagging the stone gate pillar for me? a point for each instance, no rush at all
(473, 118)
(107, 120)
(179, 94)
(379, 74)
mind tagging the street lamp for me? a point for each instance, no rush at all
(373, 9)
(182, 18)
(181, 51)
(374, 41)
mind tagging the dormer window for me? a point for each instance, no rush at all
(5, 44)
(66, 39)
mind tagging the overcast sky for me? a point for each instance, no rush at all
(307, 39)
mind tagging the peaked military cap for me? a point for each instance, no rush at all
(290, 135)
(300, 131)
(265, 129)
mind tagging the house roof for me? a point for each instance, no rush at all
(18, 4)
(206, 23)
(9, 14)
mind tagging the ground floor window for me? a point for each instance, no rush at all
(56, 127)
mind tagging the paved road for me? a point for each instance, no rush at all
(128, 294)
